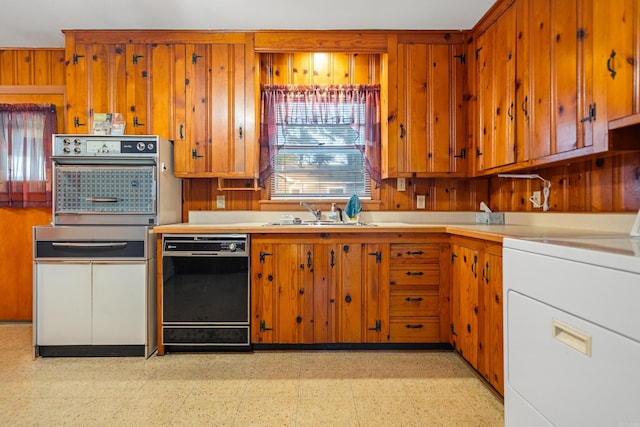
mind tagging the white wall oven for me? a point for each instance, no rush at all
(123, 180)
(94, 267)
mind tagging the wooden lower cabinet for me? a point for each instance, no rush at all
(325, 288)
(476, 306)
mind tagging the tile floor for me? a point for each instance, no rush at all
(306, 388)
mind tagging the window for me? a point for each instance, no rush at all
(25, 152)
(320, 142)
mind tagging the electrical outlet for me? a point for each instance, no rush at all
(536, 198)
(420, 201)
(401, 184)
(220, 201)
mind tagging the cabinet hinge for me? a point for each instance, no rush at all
(136, 57)
(478, 52)
(263, 255)
(378, 256)
(194, 58)
(592, 114)
(462, 155)
(462, 58)
(195, 155)
(76, 122)
(453, 331)
(76, 57)
(378, 326)
(136, 123)
(453, 257)
(263, 326)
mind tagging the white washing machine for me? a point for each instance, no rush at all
(572, 332)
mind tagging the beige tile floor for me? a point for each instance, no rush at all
(286, 388)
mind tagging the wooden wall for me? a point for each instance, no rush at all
(26, 76)
(32, 67)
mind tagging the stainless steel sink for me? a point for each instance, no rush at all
(316, 223)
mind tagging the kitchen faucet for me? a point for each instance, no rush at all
(316, 212)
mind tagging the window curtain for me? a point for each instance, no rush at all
(312, 104)
(25, 153)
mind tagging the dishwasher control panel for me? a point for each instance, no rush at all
(205, 244)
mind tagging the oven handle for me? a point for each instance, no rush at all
(90, 244)
(101, 199)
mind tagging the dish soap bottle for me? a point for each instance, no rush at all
(333, 215)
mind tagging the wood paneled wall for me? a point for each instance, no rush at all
(26, 76)
(33, 67)
(16, 261)
(605, 184)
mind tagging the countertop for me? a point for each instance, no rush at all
(461, 224)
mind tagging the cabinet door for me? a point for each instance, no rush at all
(496, 67)
(138, 87)
(375, 282)
(214, 117)
(616, 75)
(493, 333)
(430, 132)
(293, 274)
(107, 78)
(262, 293)
(465, 302)
(119, 304)
(345, 264)
(63, 304)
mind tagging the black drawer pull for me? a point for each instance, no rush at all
(420, 326)
(413, 273)
(415, 253)
(413, 299)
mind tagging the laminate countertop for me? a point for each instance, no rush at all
(489, 232)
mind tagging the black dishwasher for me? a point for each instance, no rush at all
(205, 292)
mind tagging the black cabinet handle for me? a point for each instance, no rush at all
(420, 326)
(415, 253)
(333, 258)
(402, 131)
(181, 131)
(414, 273)
(610, 64)
(413, 299)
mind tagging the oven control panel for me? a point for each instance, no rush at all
(107, 146)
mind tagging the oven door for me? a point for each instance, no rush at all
(119, 194)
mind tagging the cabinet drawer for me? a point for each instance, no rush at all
(421, 329)
(425, 252)
(414, 274)
(414, 303)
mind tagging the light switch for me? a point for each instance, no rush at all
(420, 201)
(220, 201)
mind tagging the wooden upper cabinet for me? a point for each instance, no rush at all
(496, 99)
(555, 39)
(106, 78)
(428, 138)
(616, 70)
(214, 118)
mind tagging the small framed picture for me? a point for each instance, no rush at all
(635, 229)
